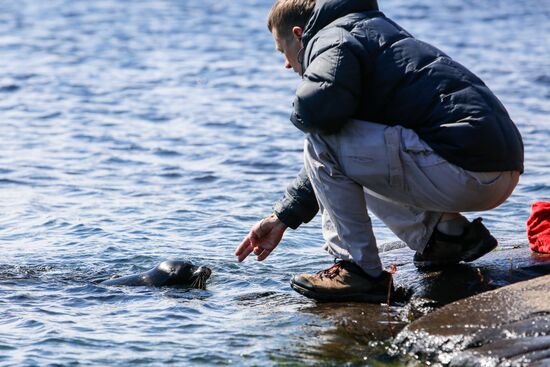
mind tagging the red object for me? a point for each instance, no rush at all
(538, 227)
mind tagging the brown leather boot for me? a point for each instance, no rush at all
(443, 249)
(344, 281)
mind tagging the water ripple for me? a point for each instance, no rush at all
(138, 132)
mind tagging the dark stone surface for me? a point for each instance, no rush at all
(509, 326)
(508, 264)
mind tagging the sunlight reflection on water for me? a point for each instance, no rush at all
(137, 132)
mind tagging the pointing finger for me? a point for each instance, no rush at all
(244, 249)
(244, 244)
(244, 254)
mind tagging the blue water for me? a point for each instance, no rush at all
(134, 132)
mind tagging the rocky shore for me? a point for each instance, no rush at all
(492, 312)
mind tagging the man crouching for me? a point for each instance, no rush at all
(393, 126)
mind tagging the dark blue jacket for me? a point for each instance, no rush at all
(360, 64)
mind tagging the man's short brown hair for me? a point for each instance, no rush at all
(286, 14)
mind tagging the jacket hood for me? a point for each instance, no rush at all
(327, 11)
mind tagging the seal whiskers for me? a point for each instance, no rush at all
(202, 274)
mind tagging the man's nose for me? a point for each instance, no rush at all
(287, 65)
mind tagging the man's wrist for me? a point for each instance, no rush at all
(278, 222)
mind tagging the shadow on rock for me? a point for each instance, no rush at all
(506, 265)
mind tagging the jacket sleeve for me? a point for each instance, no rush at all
(299, 204)
(330, 91)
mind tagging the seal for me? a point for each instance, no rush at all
(167, 273)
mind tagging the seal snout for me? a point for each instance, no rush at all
(203, 271)
(200, 276)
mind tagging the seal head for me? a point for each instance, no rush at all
(167, 273)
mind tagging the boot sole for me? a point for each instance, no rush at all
(469, 256)
(353, 297)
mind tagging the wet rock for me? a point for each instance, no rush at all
(425, 291)
(509, 326)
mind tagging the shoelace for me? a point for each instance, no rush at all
(331, 272)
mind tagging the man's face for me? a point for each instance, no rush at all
(290, 47)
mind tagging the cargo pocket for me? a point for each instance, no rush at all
(392, 137)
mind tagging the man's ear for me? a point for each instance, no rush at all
(297, 32)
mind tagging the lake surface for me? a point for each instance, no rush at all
(134, 132)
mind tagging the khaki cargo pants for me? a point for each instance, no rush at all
(392, 173)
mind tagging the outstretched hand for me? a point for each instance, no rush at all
(262, 238)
